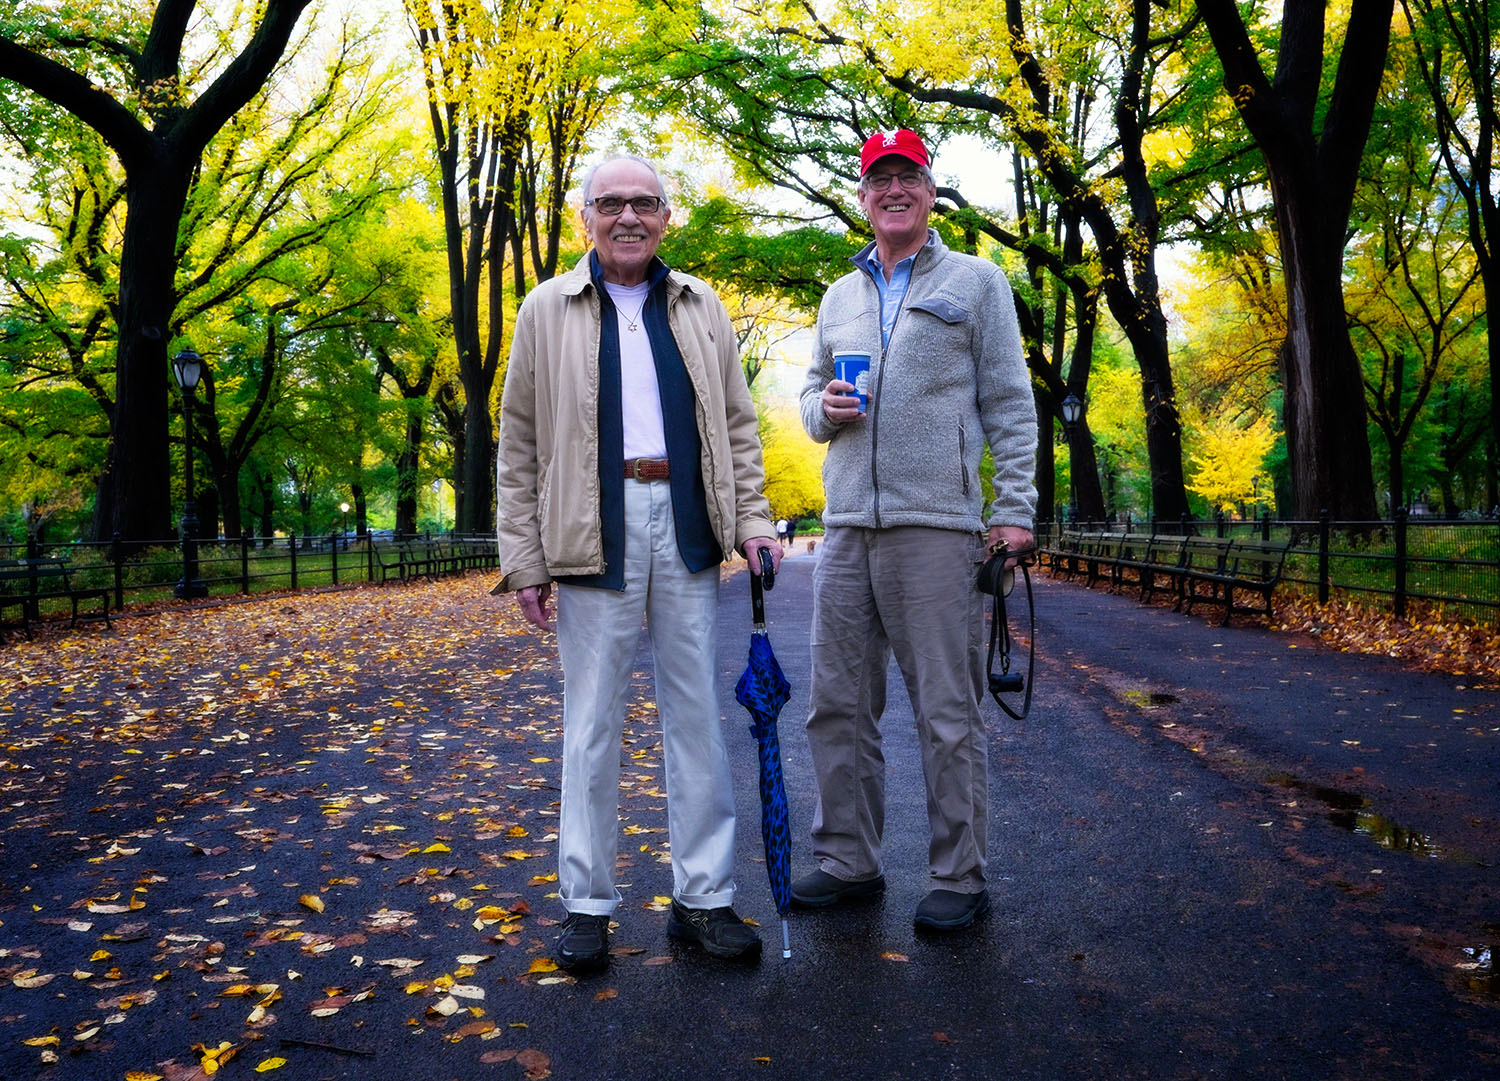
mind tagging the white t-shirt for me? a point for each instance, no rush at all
(640, 396)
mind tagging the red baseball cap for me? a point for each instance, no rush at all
(906, 143)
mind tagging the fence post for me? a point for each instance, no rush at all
(117, 558)
(33, 584)
(369, 557)
(1265, 525)
(292, 548)
(333, 560)
(245, 562)
(1323, 531)
(1400, 516)
(1219, 523)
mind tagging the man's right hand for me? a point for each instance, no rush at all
(533, 603)
(840, 404)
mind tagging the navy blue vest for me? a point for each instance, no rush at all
(695, 536)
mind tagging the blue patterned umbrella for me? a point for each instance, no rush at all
(763, 690)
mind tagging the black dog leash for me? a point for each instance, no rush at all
(992, 580)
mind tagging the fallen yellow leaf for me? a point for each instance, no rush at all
(542, 964)
(270, 1064)
(312, 901)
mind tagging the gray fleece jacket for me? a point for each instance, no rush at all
(952, 379)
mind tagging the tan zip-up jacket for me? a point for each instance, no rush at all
(547, 476)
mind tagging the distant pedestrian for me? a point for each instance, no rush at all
(782, 526)
(608, 487)
(904, 535)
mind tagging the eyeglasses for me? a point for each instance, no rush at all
(611, 205)
(882, 181)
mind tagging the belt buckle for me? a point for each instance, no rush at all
(635, 470)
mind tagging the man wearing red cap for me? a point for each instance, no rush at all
(907, 526)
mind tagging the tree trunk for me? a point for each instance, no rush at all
(473, 502)
(1328, 447)
(406, 476)
(227, 481)
(135, 501)
(267, 511)
(1046, 456)
(1313, 148)
(361, 526)
(1088, 497)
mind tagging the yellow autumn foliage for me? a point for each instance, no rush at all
(1226, 469)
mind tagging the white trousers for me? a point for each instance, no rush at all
(598, 632)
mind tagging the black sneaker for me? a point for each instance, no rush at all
(819, 889)
(584, 943)
(718, 930)
(948, 910)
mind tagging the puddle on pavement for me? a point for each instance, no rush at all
(1478, 972)
(1350, 811)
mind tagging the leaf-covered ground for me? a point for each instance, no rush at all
(313, 836)
(1427, 638)
(270, 815)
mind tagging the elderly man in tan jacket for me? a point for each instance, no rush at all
(629, 469)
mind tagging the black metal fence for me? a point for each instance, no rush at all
(152, 573)
(1454, 563)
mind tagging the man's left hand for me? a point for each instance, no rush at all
(762, 544)
(1014, 538)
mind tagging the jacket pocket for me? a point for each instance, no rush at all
(944, 309)
(963, 460)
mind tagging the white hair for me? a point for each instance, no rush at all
(588, 177)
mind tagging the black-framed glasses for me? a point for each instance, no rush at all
(882, 181)
(641, 204)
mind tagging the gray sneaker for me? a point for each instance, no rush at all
(718, 930)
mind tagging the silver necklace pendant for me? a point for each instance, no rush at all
(633, 324)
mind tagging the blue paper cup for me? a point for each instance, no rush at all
(855, 368)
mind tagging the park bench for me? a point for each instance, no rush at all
(389, 561)
(408, 560)
(1059, 557)
(25, 583)
(1148, 563)
(1104, 551)
(1226, 566)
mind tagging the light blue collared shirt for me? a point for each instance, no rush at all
(892, 293)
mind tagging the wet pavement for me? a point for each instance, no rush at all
(1215, 853)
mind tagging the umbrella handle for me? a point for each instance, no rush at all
(759, 583)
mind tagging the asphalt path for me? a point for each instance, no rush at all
(1215, 853)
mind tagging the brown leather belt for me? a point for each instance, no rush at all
(644, 469)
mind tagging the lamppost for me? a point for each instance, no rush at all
(187, 366)
(1072, 413)
(437, 490)
(344, 524)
